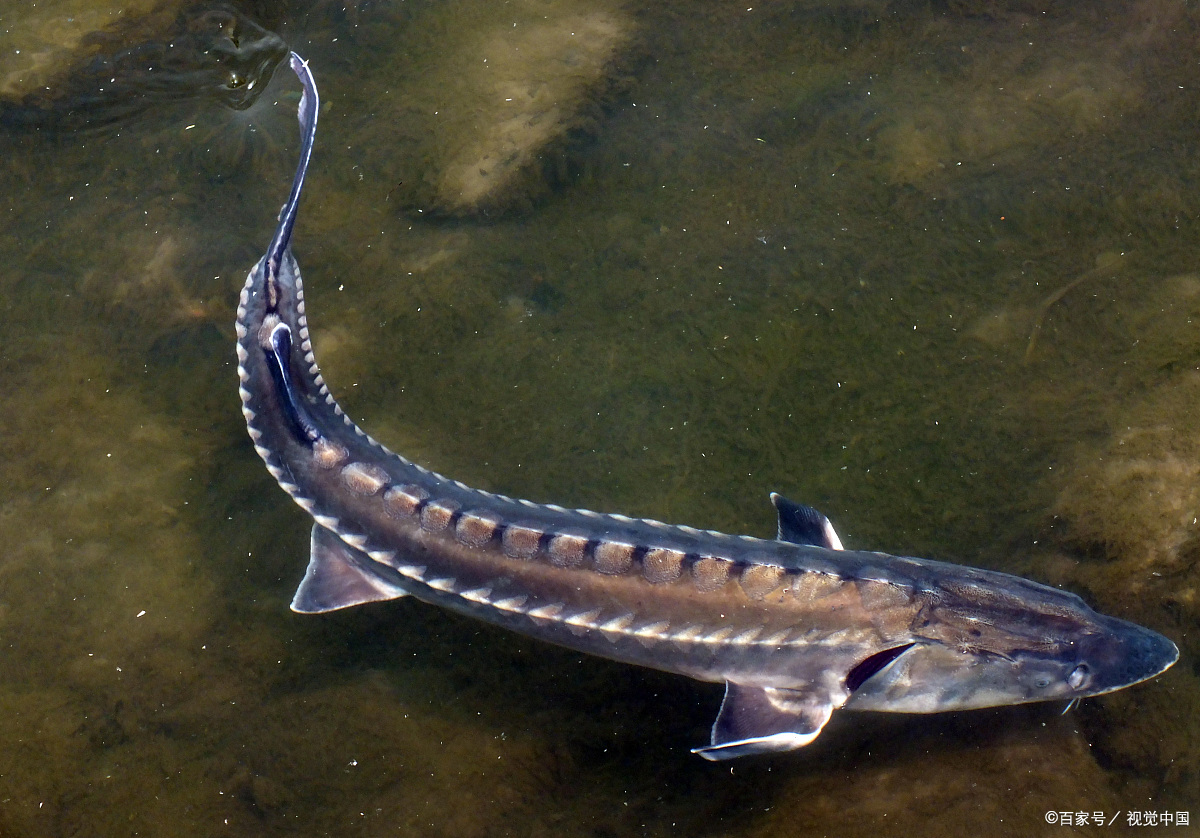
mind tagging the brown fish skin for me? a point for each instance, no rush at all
(795, 627)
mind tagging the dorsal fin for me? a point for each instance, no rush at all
(802, 524)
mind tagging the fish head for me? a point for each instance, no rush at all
(933, 676)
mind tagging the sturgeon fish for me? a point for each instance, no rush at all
(795, 628)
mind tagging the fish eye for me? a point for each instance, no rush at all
(1079, 677)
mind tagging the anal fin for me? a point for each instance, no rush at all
(339, 576)
(759, 720)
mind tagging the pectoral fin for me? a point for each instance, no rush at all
(759, 720)
(339, 576)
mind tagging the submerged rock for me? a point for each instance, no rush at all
(981, 780)
(498, 98)
(1128, 537)
(533, 92)
(41, 41)
(1134, 499)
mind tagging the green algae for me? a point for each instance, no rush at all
(803, 252)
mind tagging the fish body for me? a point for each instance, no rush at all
(795, 627)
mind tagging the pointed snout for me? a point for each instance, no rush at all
(1123, 654)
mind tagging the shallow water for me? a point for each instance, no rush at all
(931, 268)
